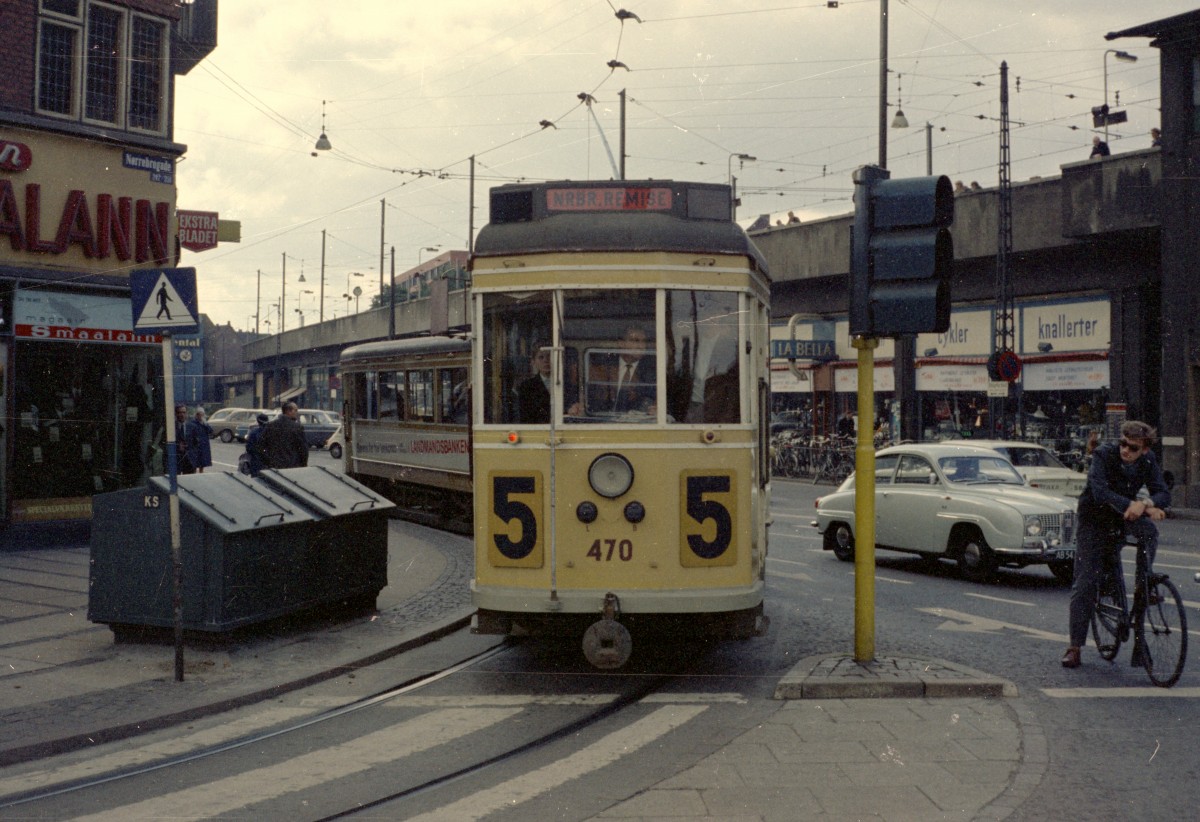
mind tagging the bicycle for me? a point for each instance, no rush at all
(1157, 618)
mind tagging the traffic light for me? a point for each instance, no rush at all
(901, 254)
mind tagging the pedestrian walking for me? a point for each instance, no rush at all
(283, 442)
(198, 435)
(257, 459)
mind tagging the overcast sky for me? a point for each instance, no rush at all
(412, 90)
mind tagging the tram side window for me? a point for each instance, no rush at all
(360, 389)
(515, 326)
(703, 384)
(391, 395)
(454, 395)
(420, 395)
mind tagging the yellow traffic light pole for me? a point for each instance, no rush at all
(864, 504)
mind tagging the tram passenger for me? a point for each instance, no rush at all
(533, 393)
(629, 377)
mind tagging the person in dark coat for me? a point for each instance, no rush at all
(1109, 507)
(533, 393)
(1099, 148)
(182, 458)
(257, 457)
(198, 435)
(283, 442)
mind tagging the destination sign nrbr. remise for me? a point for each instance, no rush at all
(608, 199)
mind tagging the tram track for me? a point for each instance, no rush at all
(598, 708)
(251, 739)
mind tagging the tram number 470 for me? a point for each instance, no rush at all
(603, 549)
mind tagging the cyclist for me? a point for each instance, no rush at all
(1108, 504)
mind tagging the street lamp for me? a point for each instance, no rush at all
(1124, 57)
(742, 160)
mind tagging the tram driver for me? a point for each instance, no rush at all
(624, 382)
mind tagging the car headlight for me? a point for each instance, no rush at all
(1033, 525)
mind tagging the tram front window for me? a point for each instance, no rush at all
(703, 386)
(610, 350)
(612, 334)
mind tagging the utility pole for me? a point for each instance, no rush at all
(382, 220)
(321, 315)
(1004, 332)
(258, 301)
(622, 134)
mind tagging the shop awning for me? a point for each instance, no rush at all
(289, 394)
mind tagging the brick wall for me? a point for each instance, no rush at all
(18, 21)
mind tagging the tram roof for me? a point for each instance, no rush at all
(412, 346)
(638, 215)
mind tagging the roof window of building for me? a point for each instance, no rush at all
(102, 64)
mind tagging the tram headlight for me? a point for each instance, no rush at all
(610, 475)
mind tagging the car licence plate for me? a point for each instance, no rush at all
(1064, 553)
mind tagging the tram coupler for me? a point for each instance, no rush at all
(607, 643)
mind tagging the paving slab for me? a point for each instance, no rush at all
(840, 676)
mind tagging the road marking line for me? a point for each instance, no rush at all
(889, 579)
(308, 770)
(970, 623)
(581, 763)
(999, 599)
(786, 575)
(788, 561)
(695, 698)
(1116, 693)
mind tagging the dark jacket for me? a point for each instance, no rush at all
(198, 435)
(1111, 487)
(283, 443)
(533, 400)
(258, 460)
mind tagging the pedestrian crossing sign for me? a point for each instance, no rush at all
(164, 300)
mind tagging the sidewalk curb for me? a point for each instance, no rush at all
(430, 632)
(839, 676)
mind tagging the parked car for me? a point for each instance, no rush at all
(959, 502)
(336, 443)
(1038, 465)
(318, 424)
(225, 422)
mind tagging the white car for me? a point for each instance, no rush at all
(336, 443)
(1038, 465)
(955, 501)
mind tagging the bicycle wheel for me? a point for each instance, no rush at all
(1108, 620)
(1164, 633)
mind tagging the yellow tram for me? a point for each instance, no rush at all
(620, 413)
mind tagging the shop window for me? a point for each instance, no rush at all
(102, 64)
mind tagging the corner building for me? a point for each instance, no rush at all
(87, 194)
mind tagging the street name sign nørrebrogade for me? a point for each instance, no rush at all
(164, 300)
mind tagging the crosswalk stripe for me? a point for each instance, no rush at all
(583, 762)
(1113, 693)
(231, 793)
(145, 754)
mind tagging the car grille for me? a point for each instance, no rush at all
(1060, 526)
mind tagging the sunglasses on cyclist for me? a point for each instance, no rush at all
(1131, 447)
